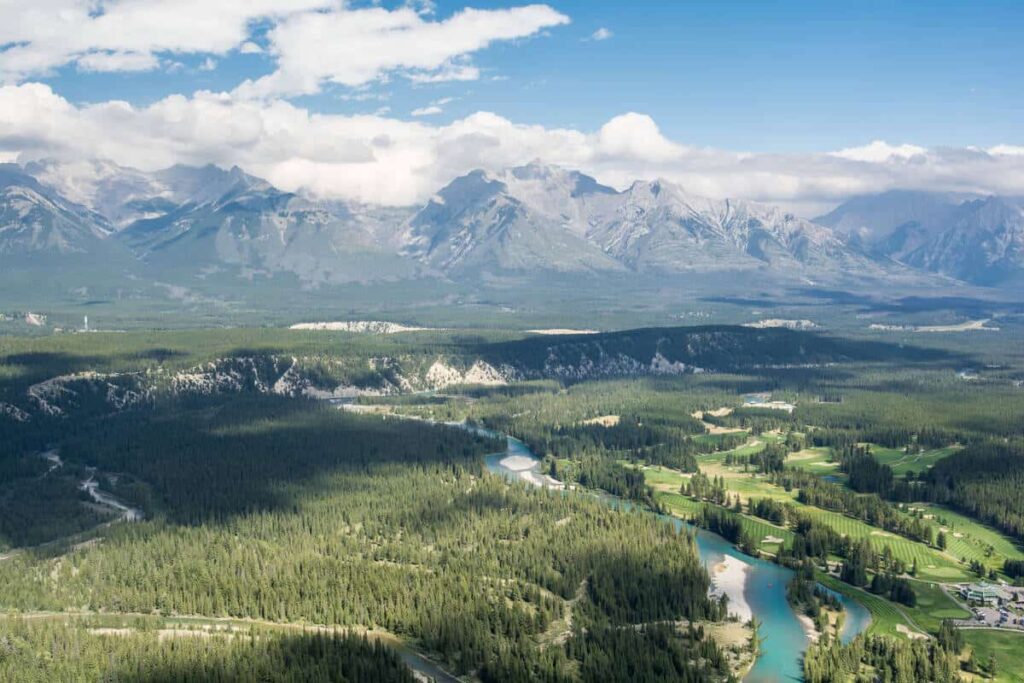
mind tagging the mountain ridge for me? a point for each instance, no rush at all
(186, 224)
(974, 238)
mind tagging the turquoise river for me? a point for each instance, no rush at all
(784, 638)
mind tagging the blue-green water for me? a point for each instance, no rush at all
(783, 638)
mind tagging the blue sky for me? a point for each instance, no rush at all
(760, 76)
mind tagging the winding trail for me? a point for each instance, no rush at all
(53, 457)
(91, 486)
(126, 513)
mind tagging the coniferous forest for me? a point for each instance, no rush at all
(288, 511)
(290, 535)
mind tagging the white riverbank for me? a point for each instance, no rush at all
(525, 468)
(730, 577)
(809, 628)
(518, 463)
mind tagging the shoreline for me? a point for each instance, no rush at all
(517, 463)
(729, 577)
(808, 625)
(526, 468)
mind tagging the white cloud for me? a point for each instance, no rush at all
(434, 108)
(126, 34)
(636, 136)
(312, 42)
(374, 158)
(448, 72)
(356, 46)
(1006, 150)
(117, 61)
(250, 48)
(601, 34)
(879, 150)
(422, 6)
(427, 111)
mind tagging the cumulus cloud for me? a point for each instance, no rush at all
(601, 34)
(312, 41)
(355, 46)
(373, 158)
(126, 35)
(636, 136)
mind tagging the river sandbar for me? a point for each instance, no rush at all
(518, 463)
(730, 577)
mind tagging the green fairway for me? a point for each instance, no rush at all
(663, 478)
(816, 461)
(885, 617)
(933, 605)
(891, 619)
(901, 462)
(685, 508)
(931, 564)
(970, 540)
(678, 504)
(1007, 647)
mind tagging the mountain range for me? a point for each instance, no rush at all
(975, 238)
(189, 224)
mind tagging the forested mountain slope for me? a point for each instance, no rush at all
(342, 365)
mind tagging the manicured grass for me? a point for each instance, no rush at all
(753, 445)
(933, 605)
(1008, 648)
(931, 564)
(685, 508)
(748, 484)
(679, 505)
(971, 540)
(884, 615)
(901, 462)
(663, 477)
(815, 461)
